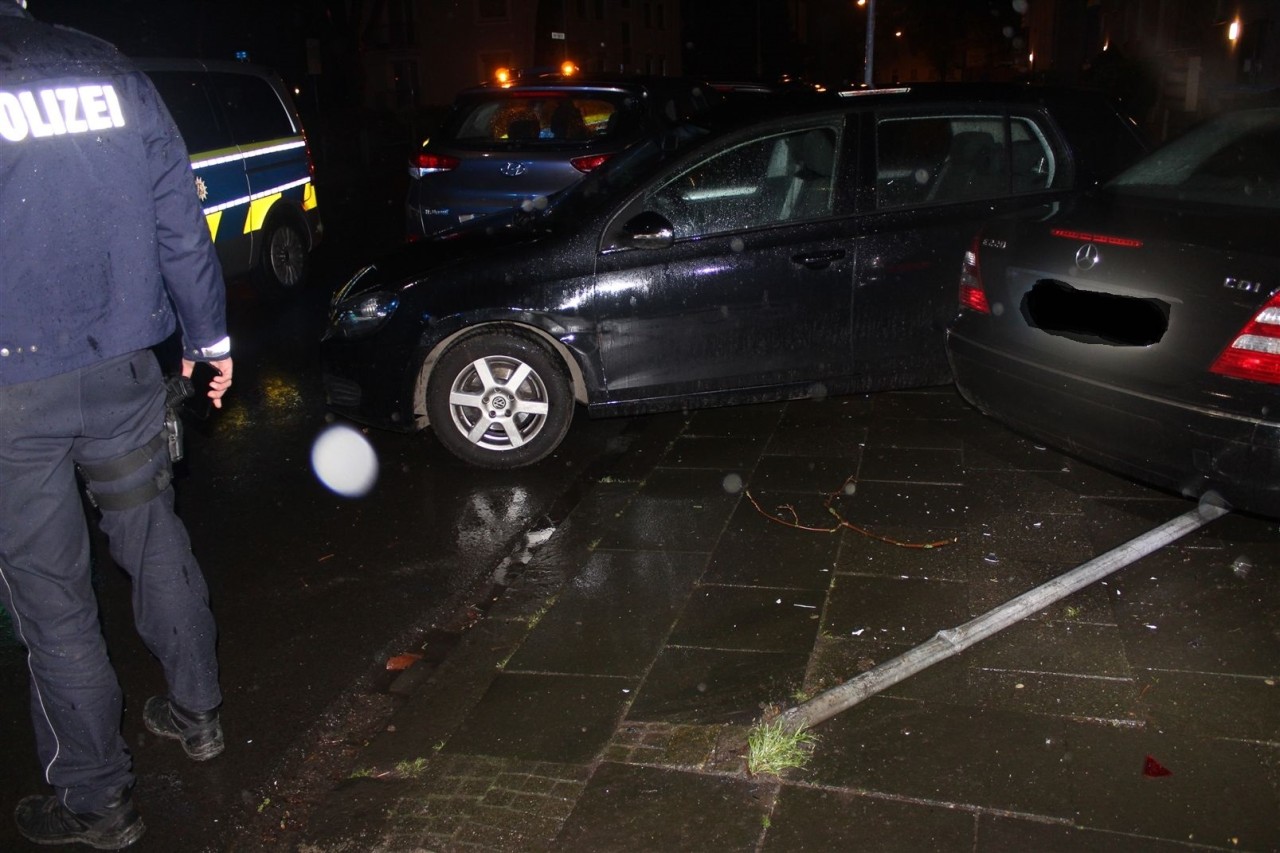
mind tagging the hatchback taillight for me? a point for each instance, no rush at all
(586, 164)
(1255, 353)
(426, 162)
(972, 294)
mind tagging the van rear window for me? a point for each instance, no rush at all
(252, 107)
(249, 108)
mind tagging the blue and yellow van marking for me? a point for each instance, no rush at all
(239, 185)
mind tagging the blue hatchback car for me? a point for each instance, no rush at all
(515, 143)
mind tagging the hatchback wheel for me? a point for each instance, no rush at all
(499, 400)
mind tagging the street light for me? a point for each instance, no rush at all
(871, 40)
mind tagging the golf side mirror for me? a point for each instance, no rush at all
(648, 230)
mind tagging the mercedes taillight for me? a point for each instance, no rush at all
(1255, 353)
(972, 294)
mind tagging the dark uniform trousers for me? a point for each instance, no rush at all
(47, 428)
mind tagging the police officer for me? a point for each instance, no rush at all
(105, 254)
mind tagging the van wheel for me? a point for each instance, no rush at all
(284, 261)
(499, 400)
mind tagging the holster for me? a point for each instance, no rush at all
(177, 389)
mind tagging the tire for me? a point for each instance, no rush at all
(484, 419)
(285, 259)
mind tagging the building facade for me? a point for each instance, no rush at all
(421, 52)
(1171, 61)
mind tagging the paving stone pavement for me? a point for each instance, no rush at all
(605, 700)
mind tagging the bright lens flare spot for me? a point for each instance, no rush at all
(344, 461)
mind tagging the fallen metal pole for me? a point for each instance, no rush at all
(952, 641)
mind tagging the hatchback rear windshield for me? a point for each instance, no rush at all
(535, 119)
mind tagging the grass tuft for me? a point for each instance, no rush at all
(412, 769)
(772, 749)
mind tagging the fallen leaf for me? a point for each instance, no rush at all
(395, 663)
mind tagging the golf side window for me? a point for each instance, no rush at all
(943, 159)
(780, 178)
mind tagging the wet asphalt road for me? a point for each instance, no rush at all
(312, 592)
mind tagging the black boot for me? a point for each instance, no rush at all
(46, 821)
(200, 733)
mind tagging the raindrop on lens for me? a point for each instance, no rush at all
(344, 461)
(732, 483)
(736, 244)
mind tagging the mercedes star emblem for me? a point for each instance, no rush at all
(1087, 257)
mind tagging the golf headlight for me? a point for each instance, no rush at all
(362, 315)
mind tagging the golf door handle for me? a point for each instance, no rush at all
(817, 260)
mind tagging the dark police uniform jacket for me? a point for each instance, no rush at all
(103, 246)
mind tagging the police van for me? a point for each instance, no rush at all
(253, 170)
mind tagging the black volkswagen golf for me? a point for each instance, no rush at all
(807, 250)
